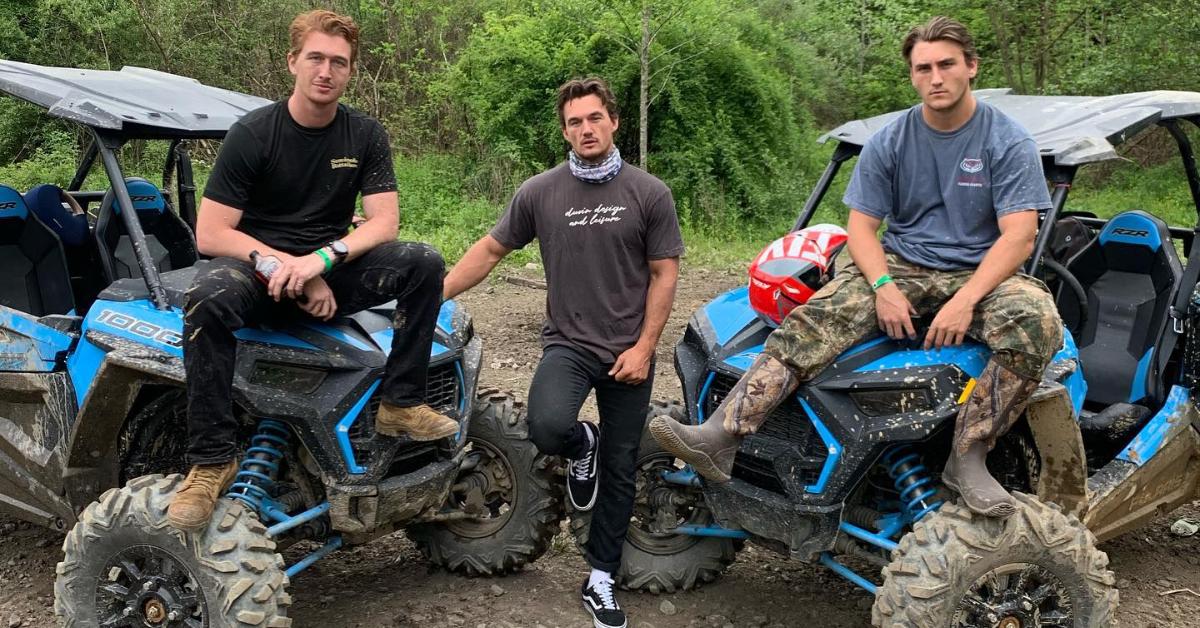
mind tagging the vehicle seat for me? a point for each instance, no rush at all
(1130, 273)
(172, 244)
(73, 230)
(35, 279)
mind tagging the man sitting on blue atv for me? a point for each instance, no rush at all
(959, 184)
(284, 185)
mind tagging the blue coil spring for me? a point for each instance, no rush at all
(259, 469)
(912, 480)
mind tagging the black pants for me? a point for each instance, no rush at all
(562, 382)
(226, 296)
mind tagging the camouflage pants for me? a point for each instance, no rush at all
(1017, 321)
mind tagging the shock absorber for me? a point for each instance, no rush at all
(913, 482)
(260, 468)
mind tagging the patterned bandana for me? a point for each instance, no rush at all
(596, 173)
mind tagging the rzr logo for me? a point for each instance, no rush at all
(143, 199)
(8, 205)
(140, 328)
(1133, 233)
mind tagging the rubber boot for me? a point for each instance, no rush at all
(711, 446)
(999, 398)
(193, 504)
(421, 423)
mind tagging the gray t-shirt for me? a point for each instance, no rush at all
(941, 193)
(596, 241)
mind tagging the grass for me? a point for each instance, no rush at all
(1161, 190)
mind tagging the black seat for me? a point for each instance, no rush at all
(73, 230)
(1130, 273)
(171, 243)
(35, 279)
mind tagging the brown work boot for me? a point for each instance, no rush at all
(419, 422)
(707, 447)
(194, 502)
(711, 446)
(999, 398)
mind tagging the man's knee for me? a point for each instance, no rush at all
(216, 290)
(1031, 336)
(548, 435)
(421, 260)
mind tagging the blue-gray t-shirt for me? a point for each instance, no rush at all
(941, 193)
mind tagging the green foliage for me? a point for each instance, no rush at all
(724, 130)
(739, 89)
(435, 207)
(1161, 190)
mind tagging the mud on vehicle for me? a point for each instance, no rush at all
(92, 406)
(850, 466)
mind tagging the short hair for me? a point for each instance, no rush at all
(940, 28)
(326, 22)
(591, 86)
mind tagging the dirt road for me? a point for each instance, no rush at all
(388, 583)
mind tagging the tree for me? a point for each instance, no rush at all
(727, 133)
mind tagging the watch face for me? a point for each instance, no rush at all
(339, 248)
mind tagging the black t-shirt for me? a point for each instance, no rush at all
(596, 243)
(296, 186)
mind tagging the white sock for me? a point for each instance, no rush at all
(598, 576)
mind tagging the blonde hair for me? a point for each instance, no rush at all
(326, 22)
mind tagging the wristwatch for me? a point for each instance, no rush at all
(339, 250)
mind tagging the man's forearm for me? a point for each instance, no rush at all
(370, 234)
(232, 243)
(476, 263)
(1001, 262)
(867, 251)
(660, 296)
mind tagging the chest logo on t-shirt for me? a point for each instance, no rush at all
(598, 215)
(971, 166)
(970, 177)
(343, 162)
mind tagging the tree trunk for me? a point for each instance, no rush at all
(644, 89)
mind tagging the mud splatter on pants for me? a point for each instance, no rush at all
(225, 297)
(1017, 321)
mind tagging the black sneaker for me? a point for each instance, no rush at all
(582, 473)
(601, 604)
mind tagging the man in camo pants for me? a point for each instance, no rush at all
(959, 184)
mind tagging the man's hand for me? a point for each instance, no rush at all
(292, 275)
(951, 323)
(319, 300)
(632, 366)
(894, 312)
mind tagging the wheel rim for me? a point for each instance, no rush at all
(484, 488)
(147, 587)
(659, 506)
(1017, 595)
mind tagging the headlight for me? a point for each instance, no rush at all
(895, 401)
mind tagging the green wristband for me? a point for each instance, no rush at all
(328, 260)
(881, 282)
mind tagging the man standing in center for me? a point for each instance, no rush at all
(610, 243)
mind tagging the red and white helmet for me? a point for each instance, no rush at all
(792, 268)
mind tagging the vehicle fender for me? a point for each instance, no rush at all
(91, 451)
(1056, 435)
